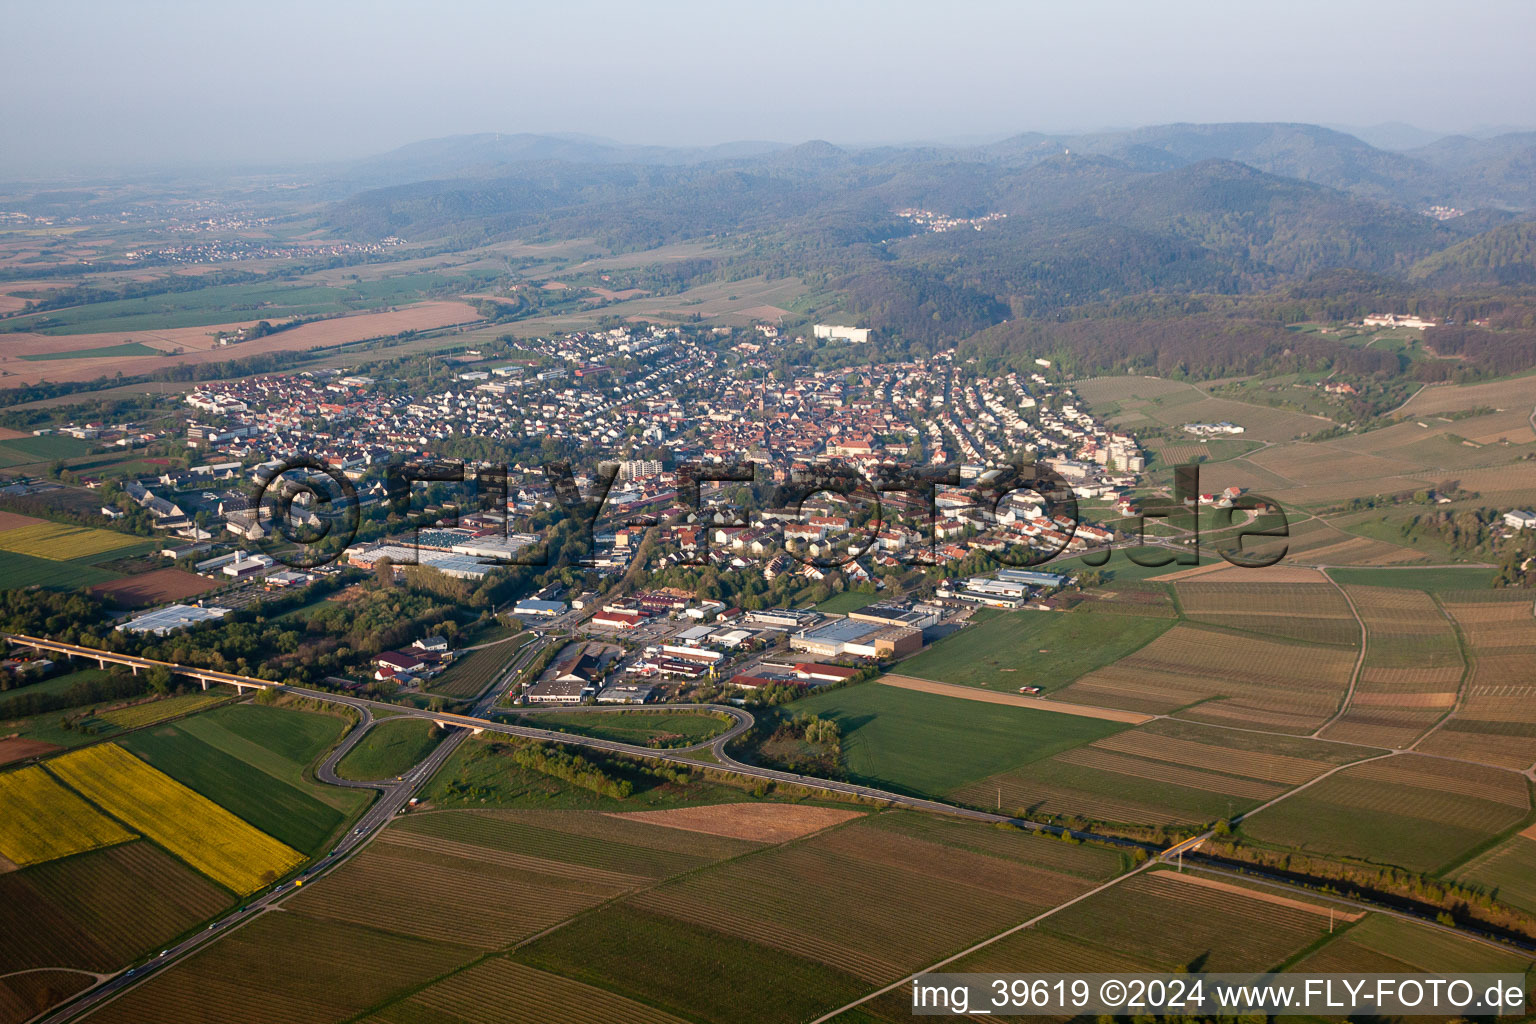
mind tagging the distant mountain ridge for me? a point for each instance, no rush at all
(1454, 171)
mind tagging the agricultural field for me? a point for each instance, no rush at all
(473, 672)
(1414, 812)
(60, 542)
(18, 571)
(1007, 650)
(98, 910)
(156, 587)
(1157, 921)
(1313, 541)
(188, 336)
(390, 748)
(435, 893)
(1313, 612)
(1391, 945)
(1412, 670)
(1432, 581)
(253, 761)
(194, 828)
(136, 716)
(30, 449)
(646, 728)
(506, 992)
(1166, 773)
(1506, 871)
(1170, 920)
(43, 821)
(777, 955)
(930, 744)
(264, 973)
(24, 996)
(1496, 719)
(1210, 675)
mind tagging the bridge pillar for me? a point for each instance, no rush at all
(204, 681)
(102, 662)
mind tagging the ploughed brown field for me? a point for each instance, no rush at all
(153, 587)
(199, 343)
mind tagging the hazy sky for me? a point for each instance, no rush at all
(93, 84)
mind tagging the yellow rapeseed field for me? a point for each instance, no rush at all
(191, 826)
(40, 820)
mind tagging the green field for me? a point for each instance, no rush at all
(390, 748)
(929, 744)
(847, 601)
(262, 786)
(222, 304)
(130, 348)
(20, 450)
(646, 728)
(18, 571)
(1007, 650)
(481, 774)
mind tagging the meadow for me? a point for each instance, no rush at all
(658, 728)
(19, 570)
(929, 744)
(1007, 650)
(194, 828)
(390, 748)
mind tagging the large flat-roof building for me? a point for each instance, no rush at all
(172, 617)
(859, 639)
